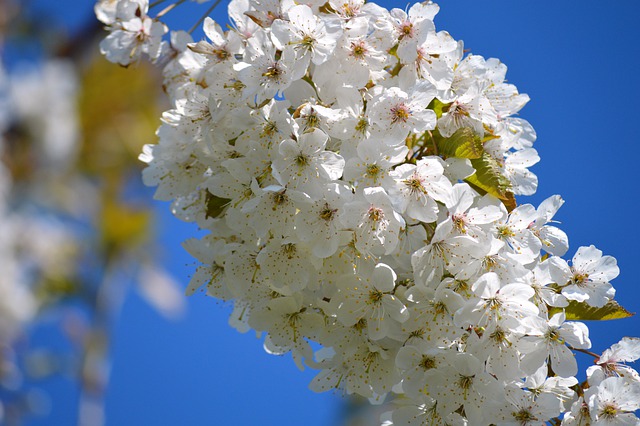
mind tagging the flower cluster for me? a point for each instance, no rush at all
(133, 33)
(357, 175)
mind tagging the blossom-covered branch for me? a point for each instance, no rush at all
(357, 174)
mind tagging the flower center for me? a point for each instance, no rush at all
(459, 110)
(361, 324)
(289, 250)
(401, 113)
(505, 232)
(312, 121)
(273, 72)
(302, 160)
(414, 184)
(375, 214)
(278, 198)
(490, 263)
(221, 54)
(269, 129)
(459, 223)
(375, 296)
(524, 416)
(369, 359)
(465, 382)
(348, 10)
(327, 213)
(553, 336)
(580, 278)
(406, 30)
(362, 126)
(609, 411)
(358, 49)
(373, 170)
(307, 41)
(499, 336)
(427, 362)
(494, 303)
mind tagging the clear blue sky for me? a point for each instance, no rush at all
(577, 61)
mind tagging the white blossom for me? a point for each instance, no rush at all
(312, 142)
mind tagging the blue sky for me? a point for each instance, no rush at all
(577, 61)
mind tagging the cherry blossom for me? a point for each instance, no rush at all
(356, 174)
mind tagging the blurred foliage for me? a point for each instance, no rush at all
(117, 117)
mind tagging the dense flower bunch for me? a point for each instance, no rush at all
(357, 175)
(133, 33)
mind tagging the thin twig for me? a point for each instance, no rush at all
(584, 351)
(197, 24)
(435, 145)
(155, 3)
(169, 8)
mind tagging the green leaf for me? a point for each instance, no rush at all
(394, 50)
(437, 107)
(488, 178)
(464, 143)
(580, 311)
(326, 8)
(215, 205)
